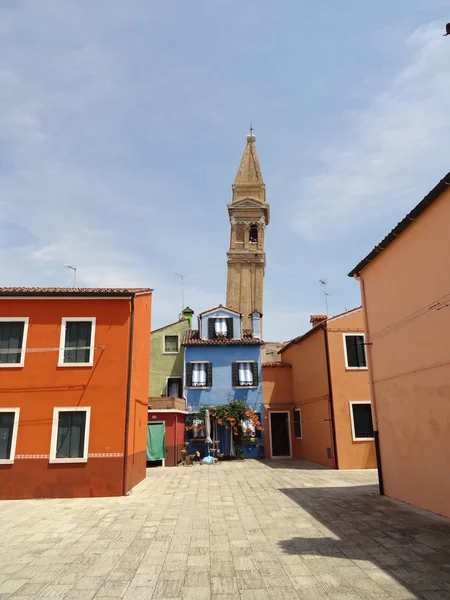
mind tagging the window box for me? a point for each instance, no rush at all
(76, 348)
(13, 341)
(70, 435)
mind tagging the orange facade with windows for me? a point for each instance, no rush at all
(326, 391)
(98, 447)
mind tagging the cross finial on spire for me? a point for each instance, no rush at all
(251, 129)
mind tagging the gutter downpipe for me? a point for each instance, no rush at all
(359, 278)
(128, 402)
(330, 397)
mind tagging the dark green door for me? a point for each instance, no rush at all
(156, 441)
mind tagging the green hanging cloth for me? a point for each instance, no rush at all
(156, 441)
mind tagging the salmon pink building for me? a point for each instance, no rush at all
(405, 286)
(317, 401)
(74, 391)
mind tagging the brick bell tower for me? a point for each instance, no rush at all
(249, 214)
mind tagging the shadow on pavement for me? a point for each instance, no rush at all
(404, 551)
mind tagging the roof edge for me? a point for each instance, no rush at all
(433, 195)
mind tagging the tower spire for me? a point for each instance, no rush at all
(249, 215)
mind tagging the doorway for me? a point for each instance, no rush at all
(280, 434)
(156, 443)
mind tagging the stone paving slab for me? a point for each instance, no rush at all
(238, 530)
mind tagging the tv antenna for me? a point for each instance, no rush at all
(323, 283)
(182, 290)
(74, 269)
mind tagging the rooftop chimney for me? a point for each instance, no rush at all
(316, 319)
(255, 318)
(187, 314)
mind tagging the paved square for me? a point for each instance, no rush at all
(237, 530)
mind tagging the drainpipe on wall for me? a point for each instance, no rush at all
(128, 402)
(330, 396)
(373, 402)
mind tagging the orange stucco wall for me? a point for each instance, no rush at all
(310, 394)
(411, 358)
(137, 438)
(348, 385)
(41, 385)
(277, 395)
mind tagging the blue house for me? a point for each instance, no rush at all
(223, 363)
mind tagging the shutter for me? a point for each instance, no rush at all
(189, 374)
(208, 374)
(255, 373)
(235, 374)
(230, 330)
(211, 330)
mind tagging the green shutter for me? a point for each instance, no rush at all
(255, 373)
(235, 374)
(211, 329)
(189, 374)
(230, 330)
(209, 375)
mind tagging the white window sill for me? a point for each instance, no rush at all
(356, 368)
(246, 387)
(298, 438)
(171, 352)
(64, 364)
(370, 439)
(6, 461)
(56, 461)
(198, 387)
(11, 365)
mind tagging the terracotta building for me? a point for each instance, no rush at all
(316, 400)
(74, 381)
(405, 286)
(249, 215)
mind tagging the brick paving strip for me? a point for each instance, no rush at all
(238, 530)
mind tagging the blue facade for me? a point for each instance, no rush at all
(220, 357)
(222, 391)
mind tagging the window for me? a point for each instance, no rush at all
(298, 424)
(9, 423)
(70, 435)
(355, 351)
(173, 387)
(13, 338)
(361, 416)
(171, 344)
(77, 342)
(253, 234)
(199, 374)
(244, 374)
(220, 326)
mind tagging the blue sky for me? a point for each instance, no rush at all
(122, 125)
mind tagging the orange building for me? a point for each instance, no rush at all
(317, 403)
(405, 285)
(74, 391)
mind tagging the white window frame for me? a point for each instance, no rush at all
(16, 411)
(62, 342)
(199, 387)
(245, 387)
(177, 335)
(25, 320)
(301, 423)
(359, 439)
(174, 377)
(54, 437)
(344, 336)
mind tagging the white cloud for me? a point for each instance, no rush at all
(403, 130)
